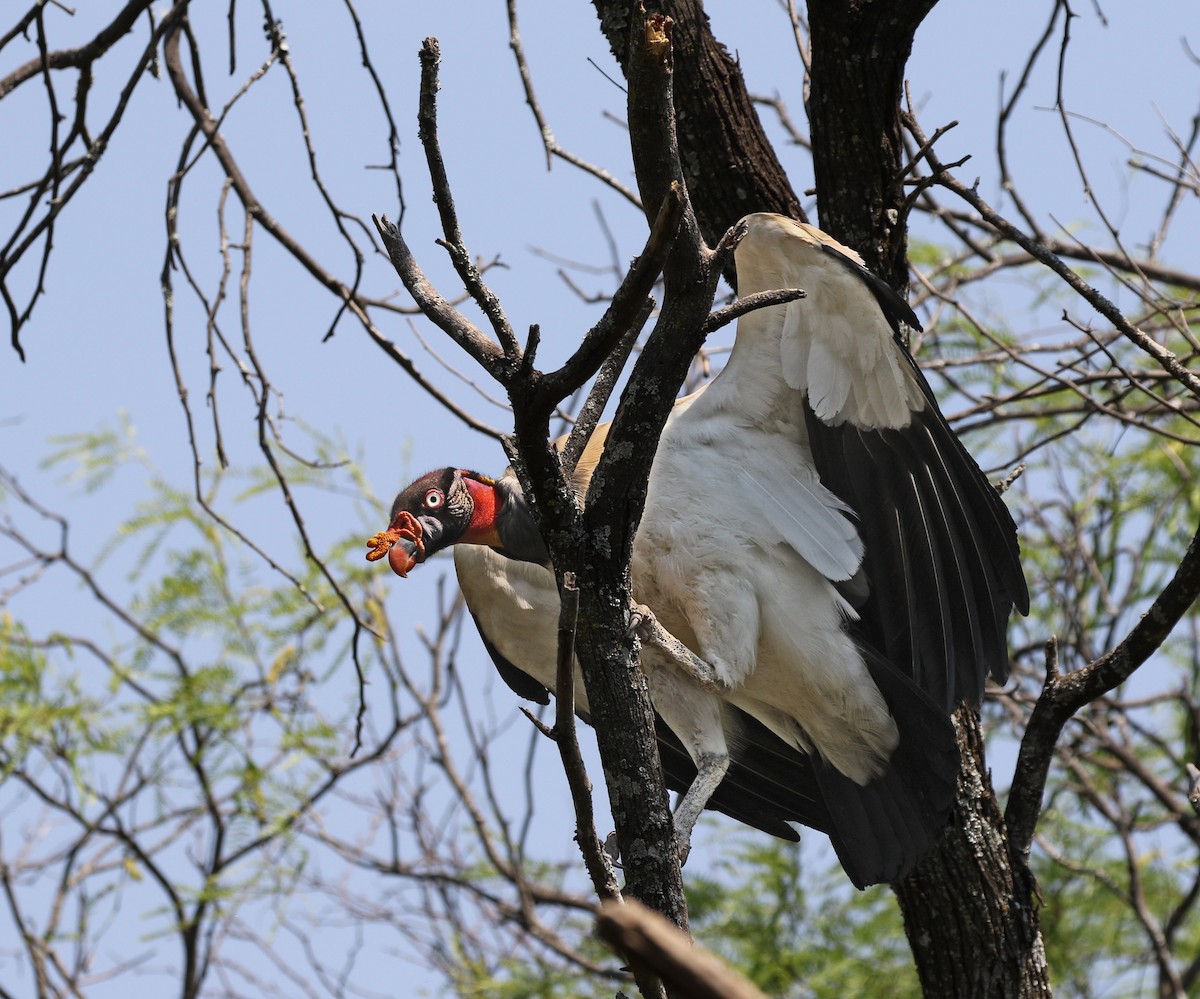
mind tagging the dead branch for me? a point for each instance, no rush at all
(646, 940)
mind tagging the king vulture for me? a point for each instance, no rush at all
(816, 534)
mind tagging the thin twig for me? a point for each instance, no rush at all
(599, 867)
(549, 142)
(751, 303)
(1169, 361)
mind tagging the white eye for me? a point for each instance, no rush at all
(434, 499)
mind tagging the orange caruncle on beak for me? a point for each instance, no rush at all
(405, 530)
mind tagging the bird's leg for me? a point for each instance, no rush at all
(710, 771)
(644, 624)
(695, 716)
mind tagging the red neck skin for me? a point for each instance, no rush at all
(482, 529)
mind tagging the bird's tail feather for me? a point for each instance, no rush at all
(878, 831)
(881, 830)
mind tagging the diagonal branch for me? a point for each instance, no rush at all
(78, 58)
(445, 316)
(590, 412)
(627, 302)
(647, 940)
(751, 303)
(1063, 695)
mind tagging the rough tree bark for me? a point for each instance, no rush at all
(859, 50)
(970, 908)
(728, 163)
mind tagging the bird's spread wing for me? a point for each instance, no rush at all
(941, 556)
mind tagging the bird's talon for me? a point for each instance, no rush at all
(640, 617)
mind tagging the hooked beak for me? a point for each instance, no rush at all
(404, 557)
(417, 538)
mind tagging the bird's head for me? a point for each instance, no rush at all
(447, 507)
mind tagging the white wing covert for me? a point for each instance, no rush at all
(837, 346)
(793, 507)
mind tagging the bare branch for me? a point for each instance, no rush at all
(77, 58)
(550, 143)
(427, 132)
(627, 303)
(606, 380)
(759, 300)
(646, 940)
(1063, 695)
(599, 867)
(448, 319)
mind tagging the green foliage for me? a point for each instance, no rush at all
(522, 976)
(96, 457)
(206, 717)
(1095, 940)
(799, 932)
(42, 709)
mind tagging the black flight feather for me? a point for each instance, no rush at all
(942, 560)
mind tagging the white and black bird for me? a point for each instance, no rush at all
(817, 535)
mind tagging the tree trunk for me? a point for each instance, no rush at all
(970, 909)
(859, 50)
(728, 163)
